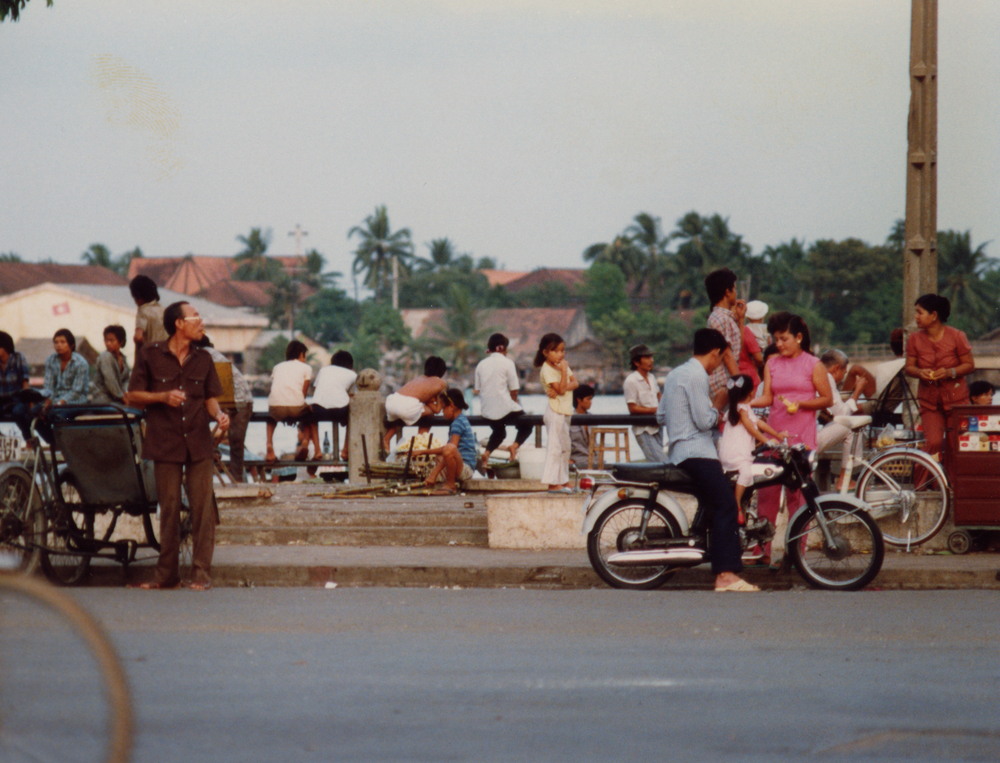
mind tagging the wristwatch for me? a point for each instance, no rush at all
(953, 373)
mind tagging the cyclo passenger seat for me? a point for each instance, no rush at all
(666, 476)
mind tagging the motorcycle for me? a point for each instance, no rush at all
(638, 535)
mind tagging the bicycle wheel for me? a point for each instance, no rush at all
(616, 530)
(20, 527)
(908, 494)
(854, 557)
(56, 662)
(68, 538)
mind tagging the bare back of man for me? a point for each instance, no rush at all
(417, 398)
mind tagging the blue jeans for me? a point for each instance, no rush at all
(717, 508)
(23, 413)
(651, 446)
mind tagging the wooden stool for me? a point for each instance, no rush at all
(599, 446)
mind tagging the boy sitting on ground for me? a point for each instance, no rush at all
(415, 399)
(456, 459)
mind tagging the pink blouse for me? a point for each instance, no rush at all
(792, 377)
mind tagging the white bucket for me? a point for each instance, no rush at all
(532, 461)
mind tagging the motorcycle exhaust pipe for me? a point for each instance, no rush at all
(669, 557)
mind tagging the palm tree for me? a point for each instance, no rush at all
(382, 254)
(961, 270)
(253, 262)
(622, 252)
(645, 232)
(441, 253)
(460, 338)
(706, 244)
(99, 255)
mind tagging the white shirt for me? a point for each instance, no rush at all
(644, 391)
(840, 407)
(332, 385)
(496, 378)
(288, 380)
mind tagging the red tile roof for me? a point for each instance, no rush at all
(15, 276)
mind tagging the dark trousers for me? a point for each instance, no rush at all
(197, 476)
(717, 509)
(498, 430)
(239, 419)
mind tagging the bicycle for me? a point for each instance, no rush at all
(44, 679)
(906, 488)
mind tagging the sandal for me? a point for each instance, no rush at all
(738, 586)
(200, 585)
(152, 585)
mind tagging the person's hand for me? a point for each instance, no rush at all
(223, 421)
(175, 398)
(859, 385)
(772, 443)
(551, 392)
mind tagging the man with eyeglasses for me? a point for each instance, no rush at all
(177, 384)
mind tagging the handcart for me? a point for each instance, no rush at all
(972, 460)
(60, 507)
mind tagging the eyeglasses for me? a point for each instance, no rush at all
(191, 318)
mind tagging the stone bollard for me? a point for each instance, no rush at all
(367, 416)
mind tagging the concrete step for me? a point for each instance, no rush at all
(318, 517)
(351, 535)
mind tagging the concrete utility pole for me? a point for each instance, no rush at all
(920, 232)
(297, 234)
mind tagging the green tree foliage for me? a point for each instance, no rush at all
(704, 244)
(460, 336)
(10, 257)
(379, 330)
(253, 262)
(329, 316)
(11, 9)
(273, 354)
(604, 291)
(99, 255)
(962, 278)
(546, 294)
(378, 246)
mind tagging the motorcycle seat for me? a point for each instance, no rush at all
(667, 476)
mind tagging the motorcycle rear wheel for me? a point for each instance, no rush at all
(617, 529)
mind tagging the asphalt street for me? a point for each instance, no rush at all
(263, 674)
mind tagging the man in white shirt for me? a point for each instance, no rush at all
(287, 400)
(830, 435)
(642, 396)
(332, 392)
(497, 385)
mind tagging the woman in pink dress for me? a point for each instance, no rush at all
(795, 388)
(940, 357)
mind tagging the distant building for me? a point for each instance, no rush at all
(211, 278)
(15, 276)
(39, 311)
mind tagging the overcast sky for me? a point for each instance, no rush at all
(524, 130)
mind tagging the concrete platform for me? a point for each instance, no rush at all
(415, 541)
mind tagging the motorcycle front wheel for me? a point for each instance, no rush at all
(850, 560)
(619, 529)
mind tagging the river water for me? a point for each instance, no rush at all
(284, 436)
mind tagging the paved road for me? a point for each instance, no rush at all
(437, 675)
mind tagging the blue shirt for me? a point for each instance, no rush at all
(688, 414)
(14, 375)
(69, 385)
(466, 439)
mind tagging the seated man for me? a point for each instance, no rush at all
(417, 398)
(693, 422)
(833, 433)
(287, 400)
(456, 459)
(579, 435)
(332, 393)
